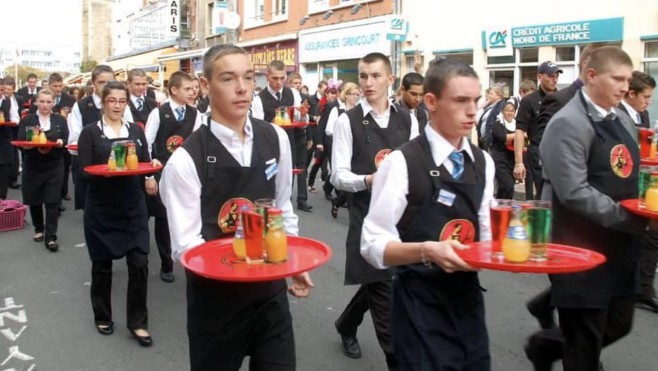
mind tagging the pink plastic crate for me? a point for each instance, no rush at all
(12, 215)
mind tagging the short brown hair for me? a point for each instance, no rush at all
(641, 81)
(374, 57)
(176, 79)
(216, 52)
(606, 57)
(441, 70)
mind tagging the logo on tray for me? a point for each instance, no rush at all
(173, 142)
(380, 156)
(461, 230)
(228, 214)
(621, 161)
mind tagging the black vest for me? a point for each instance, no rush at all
(172, 133)
(270, 104)
(143, 115)
(88, 110)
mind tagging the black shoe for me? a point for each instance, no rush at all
(647, 302)
(62, 208)
(303, 206)
(52, 246)
(351, 346)
(334, 209)
(15, 185)
(537, 363)
(167, 276)
(544, 314)
(105, 329)
(66, 197)
(144, 341)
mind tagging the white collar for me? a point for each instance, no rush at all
(600, 110)
(227, 135)
(441, 148)
(367, 108)
(631, 111)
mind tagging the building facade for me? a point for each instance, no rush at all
(96, 30)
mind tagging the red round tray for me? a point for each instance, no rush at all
(72, 147)
(561, 259)
(216, 260)
(142, 169)
(297, 171)
(648, 161)
(511, 148)
(27, 143)
(8, 123)
(294, 125)
(633, 206)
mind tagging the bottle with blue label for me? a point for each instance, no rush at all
(516, 245)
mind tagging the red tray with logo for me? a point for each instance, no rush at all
(9, 123)
(633, 206)
(295, 125)
(649, 161)
(561, 259)
(216, 260)
(27, 143)
(143, 168)
(72, 147)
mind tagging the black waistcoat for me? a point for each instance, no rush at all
(612, 168)
(6, 136)
(143, 115)
(88, 110)
(270, 104)
(172, 133)
(369, 144)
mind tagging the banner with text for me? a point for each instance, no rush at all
(580, 32)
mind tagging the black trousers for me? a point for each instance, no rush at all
(375, 297)
(163, 241)
(534, 165)
(101, 290)
(67, 171)
(15, 169)
(648, 261)
(52, 220)
(297, 139)
(5, 174)
(584, 332)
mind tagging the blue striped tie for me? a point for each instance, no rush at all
(180, 111)
(457, 159)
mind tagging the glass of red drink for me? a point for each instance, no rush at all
(645, 138)
(253, 225)
(500, 211)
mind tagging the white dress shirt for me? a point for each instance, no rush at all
(44, 122)
(257, 110)
(153, 123)
(342, 176)
(635, 116)
(180, 186)
(14, 110)
(390, 188)
(75, 120)
(333, 117)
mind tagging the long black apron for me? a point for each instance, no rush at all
(115, 218)
(437, 317)
(227, 321)
(612, 169)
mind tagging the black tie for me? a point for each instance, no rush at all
(278, 96)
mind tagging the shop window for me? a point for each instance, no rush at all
(279, 9)
(464, 57)
(501, 60)
(504, 79)
(411, 61)
(651, 67)
(348, 70)
(565, 54)
(529, 55)
(315, 6)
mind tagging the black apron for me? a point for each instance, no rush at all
(170, 136)
(115, 218)
(43, 174)
(369, 140)
(437, 317)
(224, 318)
(612, 168)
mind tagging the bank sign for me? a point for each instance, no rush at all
(344, 42)
(579, 32)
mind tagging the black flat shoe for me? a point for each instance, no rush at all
(66, 197)
(647, 302)
(52, 246)
(144, 341)
(303, 206)
(334, 209)
(167, 276)
(351, 347)
(105, 329)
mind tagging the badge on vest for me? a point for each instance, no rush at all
(272, 168)
(621, 161)
(446, 198)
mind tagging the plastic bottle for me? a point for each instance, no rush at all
(42, 138)
(651, 198)
(516, 245)
(112, 162)
(131, 157)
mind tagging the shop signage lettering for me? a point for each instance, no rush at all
(568, 33)
(347, 41)
(174, 16)
(286, 55)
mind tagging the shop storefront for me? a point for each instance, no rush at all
(513, 53)
(264, 53)
(334, 51)
(146, 60)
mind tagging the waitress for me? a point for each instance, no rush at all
(503, 134)
(43, 169)
(115, 221)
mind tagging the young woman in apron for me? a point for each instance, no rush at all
(115, 217)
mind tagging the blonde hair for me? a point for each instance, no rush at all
(347, 88)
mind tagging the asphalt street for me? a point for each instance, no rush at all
(46, 321)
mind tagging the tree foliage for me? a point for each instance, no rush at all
(88, 65)
(23, 71)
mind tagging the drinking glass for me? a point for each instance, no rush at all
(253, 225)
(645, 137)
(119, 149)
(644, 178)
(262, 206)
(539, 228)
(500, 211)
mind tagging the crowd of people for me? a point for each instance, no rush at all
(407, 167)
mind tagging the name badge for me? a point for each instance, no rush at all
(446, 198)
(271, 170)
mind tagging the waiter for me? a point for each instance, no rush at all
(436, 185)
(140, 104)
(166, 129)
(63, 105)
(233, 159)
(363, 136)
(586, 184)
